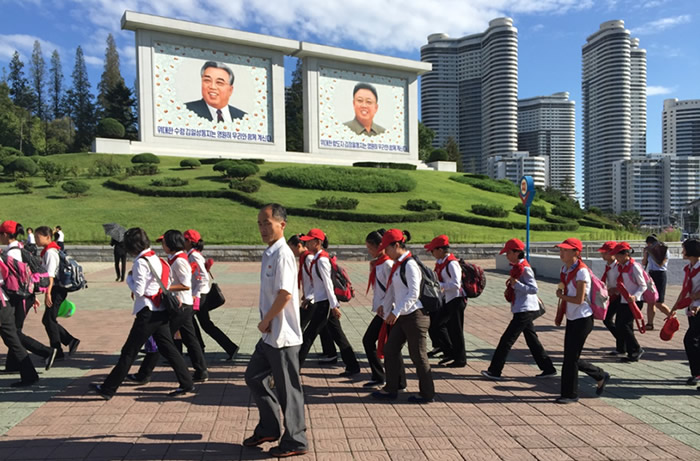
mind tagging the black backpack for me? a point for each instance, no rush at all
(430, 293)
(473, 278)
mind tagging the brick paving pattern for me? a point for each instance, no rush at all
(646, 413)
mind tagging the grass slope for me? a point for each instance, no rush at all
(223, 221)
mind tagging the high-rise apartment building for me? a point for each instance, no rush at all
(472, 92)
(613, 92)
(546, 127)
(514, 165)
(681, 127)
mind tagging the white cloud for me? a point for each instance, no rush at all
(660, 25)
(93, 60)
(24, 44)
(537, 27)
(653, 90)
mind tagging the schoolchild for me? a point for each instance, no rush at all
(631, 285)
(573, 292)
(689, 298)
(449, 274)
(657, 271)
(180, 280)
(521, 292)
(55, 295)
(408, 320)
(60, 238)
(30, 243)
(609, 278)
(151, 319)
(9, 231)
(201, 286)
(326, 305)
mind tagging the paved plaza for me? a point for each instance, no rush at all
(647, 411)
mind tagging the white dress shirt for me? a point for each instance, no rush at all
(583, 310)
(142, 282)
(613, 274)
(322, 282)
(225, 113)
(525, 289)
(60, 236)
(200, 277)
(52, 260)
(181, 274)
(14, 250)
(306, 280)
(379, 296)
(633, 281)
(452, 280)
(405, 296)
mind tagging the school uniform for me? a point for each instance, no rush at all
(630, 276)
(525, 308)
(182, 321)
(610, 276)
(449, 274)
(411, 327)
(60, 240)
(201, 285)
(324, 301)
(658, 272)
(57, 334)
(691, 340)
(579, 324)
(151, 320)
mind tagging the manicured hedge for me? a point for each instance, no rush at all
(336, 203)
(556, 219)
(145, 157)
(25, 185)
(246, 185)
(421, 205)
(342, 179)
(390, 165)
(501, 186)
(438, 155)
(190, 163)
(567, 210)
(75, 187)
(481, 221)
(536, 211)
(110, 128)
(142, 169)
(494, 211)
(210, 161)
(169, 182)
(22, 166)
(239, 169)
(598, 224)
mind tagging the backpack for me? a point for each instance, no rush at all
(473, 278)
(70, 274)
(599, 297)
(342, 286)
(651, 294)
(430, 293)
(40, 275)
(19, 279)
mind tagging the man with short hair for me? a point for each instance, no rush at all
(217, 88)
(364, 102)
(277, 352)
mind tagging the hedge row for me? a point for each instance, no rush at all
(536, 211)
(494, 211)
(341, 179)
(215, 160)
(598, 224)
(421, 205)
(501, 186)
(390, 165)
(480, 221)
(337, 203)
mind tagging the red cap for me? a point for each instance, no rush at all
(513, 244)
(438, 242)
(571, 244)
(620, 247)
(160, 239)
(607, 246)
(391, 236)
(8, 227)
(313, 234)
(670, 327)
(192, 235)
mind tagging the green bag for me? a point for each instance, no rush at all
(67, 309)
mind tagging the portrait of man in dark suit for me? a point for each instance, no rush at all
(217, 88)
(364, 103)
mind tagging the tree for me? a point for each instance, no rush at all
(294, 111)
(37, 69)
(630, 219)
(425, 141)
(120, 105)
(453, 154)
(19, 86)
(111, 77)
(81, 107)
(56, 86)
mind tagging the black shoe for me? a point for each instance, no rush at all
(434, 352)
(232, 354)
(181, 391)
(457, 364)
(373, 383)
(601, 388)
(48, 361)
(489, 375)
(615, 353)
(419, 399)
(547, 374)
(382, 395)
(98, 388)
(203, 378)
(134, 378)
(24, 383)
(566, 400)
(328, 360)
(73, 346)
(279, 452)
(348, 373)
(445, 360)
(256, 440)
(692, 381)
(635, 357)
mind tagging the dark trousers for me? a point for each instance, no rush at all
(148, 323)
(181, 321)
(575, 337)
(438, 332)
(120, 264)
(411, 329)
(691, 340)
(521, 322)
(327, 344)
(28, 343)
(455, 328)
(369, 341)
(211, 329)
(610, 321)
(8, 332)
(288, 395)
(57, 334)
(320, 318)
(625, 325)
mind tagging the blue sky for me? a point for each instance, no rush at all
(551, 33)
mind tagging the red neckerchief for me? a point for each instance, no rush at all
(302, 266)
(684, 299)
(51, 245)
(381, 339)
(439, 267)
(604, 279)
(620, 281)
(566, 278)
(164, 276)
(194, 265)
(323, 254)
(395, 267)
(373, 270)
(516, 271)
(179, 254)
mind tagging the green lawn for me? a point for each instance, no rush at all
(223, 221)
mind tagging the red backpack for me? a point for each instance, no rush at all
(473, 278)
(342, 286)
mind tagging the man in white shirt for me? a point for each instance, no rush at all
(277, 353)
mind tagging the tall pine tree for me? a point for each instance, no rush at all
(19, 86)
(56, 100)
(37, 70)
(81, 107)
(111, 77)
(294, 111)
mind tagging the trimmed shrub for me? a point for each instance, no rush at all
(246, 185)
(210, 161)
(110, 128)
(53, 172)
(143, 169)
(5, 161)
(146, 158)
(169, 182)
(222, 165)
(480, 221)
(241, 170)
(503, 186)
(390, 165)
(556, 219)
(341, 179)
(75, 188)
(494, 211)
(256, 161)
(104, 167)
(421, 205)
(567, 210)
(21, 167)
(25, 185)
(190, 163)
(438, 155)
(536, 211)
(7, 151)
(337, 203)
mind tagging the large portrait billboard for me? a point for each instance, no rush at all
(210, 94)
(362, 111)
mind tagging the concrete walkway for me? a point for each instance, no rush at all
(646, 413)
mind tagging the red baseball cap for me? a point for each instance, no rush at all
(607, 246)
(671, 326)
(571, 244)
(438, 242)
(8, 227)
(620, 247)
(192, 235)
(391, 236)
(513, 244)
(313, 234)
